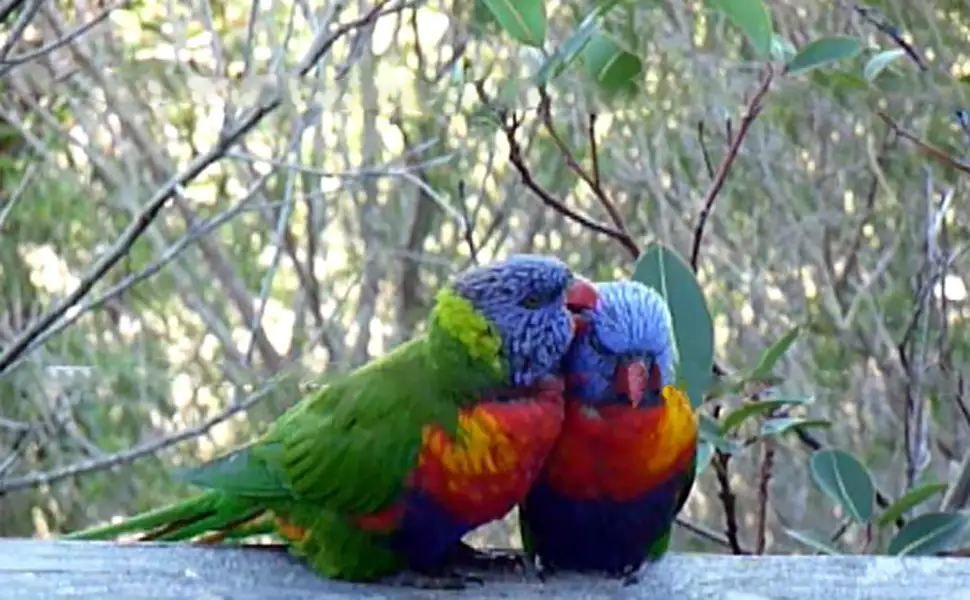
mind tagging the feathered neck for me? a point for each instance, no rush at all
(464, 349)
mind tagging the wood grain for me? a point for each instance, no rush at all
(106, 571)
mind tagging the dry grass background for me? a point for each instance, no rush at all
(316, 241)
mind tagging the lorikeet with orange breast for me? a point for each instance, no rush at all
(388, 467)
(623, 465)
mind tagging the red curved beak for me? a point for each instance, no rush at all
(580, 296)
(632, 380)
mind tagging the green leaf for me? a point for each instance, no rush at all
(738, 416)
(665, 271)
(752, 18)
(774, 353)
(523, 20)
(613, 67)
(823, 52)
(846, 481)
(705, 450)
(878, 63)
(911, 499)
(567, 53)
(709, 431)
(781, 49)
(928, 534)
(783, 425)
(813, 542)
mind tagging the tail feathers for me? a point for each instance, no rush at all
(211, 511)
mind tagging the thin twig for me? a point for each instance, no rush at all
(925, 147)
(7, 9)
(705, 532)
(509, 122)
(17, 193)
(144, 218)
(591, 180)
(19, 27)
(764, 483)
(39, 478)
(721, 462)
(880, 22)
(751, 112)
(10, 63)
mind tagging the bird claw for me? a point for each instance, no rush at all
(465, 556)
(451, 579)
(630, 576)
(537, 568)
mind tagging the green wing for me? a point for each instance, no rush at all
(348, 447)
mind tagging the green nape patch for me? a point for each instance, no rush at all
(458, 318)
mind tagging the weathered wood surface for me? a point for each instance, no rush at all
(101, 571)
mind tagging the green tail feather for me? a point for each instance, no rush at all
(210, 511)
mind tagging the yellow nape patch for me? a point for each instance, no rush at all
(458, 318)
(481, 446)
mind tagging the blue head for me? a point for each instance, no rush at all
(517, 316)
(626, 353)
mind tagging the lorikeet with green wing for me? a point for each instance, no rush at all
(623, 465)
(386, 468)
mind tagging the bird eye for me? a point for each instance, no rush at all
(532, 301)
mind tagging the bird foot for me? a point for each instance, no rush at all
(630, 576)
(449, 579)
(464, 556)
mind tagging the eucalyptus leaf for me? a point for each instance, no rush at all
(705, 450)
(566, 54)
(523, 20)
(813, 542)
(911, 499)
(928, 534)
(752, 18)
(738, 416)
(782, 425)
(823, 52)
(614, 68)
(878, 63)
(665, 271)
(846, 481)
(774, 353)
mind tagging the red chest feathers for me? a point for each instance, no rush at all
(494, 459)
(619, 452)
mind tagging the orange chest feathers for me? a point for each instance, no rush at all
(619, 452)
(496, 456)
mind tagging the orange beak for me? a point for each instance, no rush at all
(580, 296)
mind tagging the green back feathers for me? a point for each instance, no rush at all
(350, 446)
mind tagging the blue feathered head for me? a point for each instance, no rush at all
(626, 352)
(516, 315)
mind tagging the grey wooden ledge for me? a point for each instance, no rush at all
(100, 571)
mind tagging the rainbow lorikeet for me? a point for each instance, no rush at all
(623, 465)
(386, 468)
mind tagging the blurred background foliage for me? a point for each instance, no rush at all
(334, 220)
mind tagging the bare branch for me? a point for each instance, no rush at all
(751, 112)
(510, 124)
(925, 147)
(591, 180)
(11, 63)
(273, 99)
(19, 27)
(18, 193)
(35, 479)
